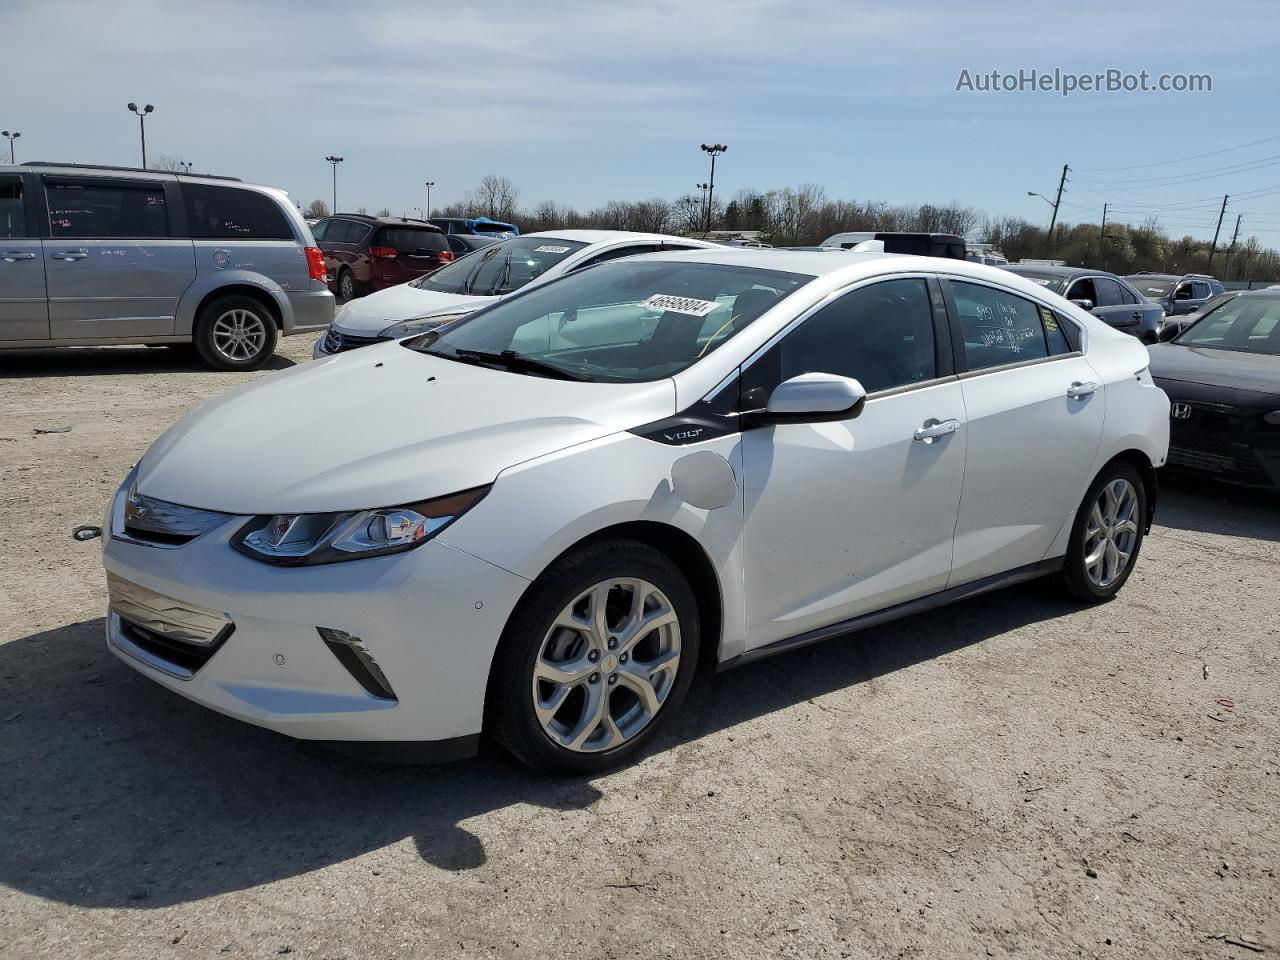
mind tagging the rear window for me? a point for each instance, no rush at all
(1047, 280)
(411, 239)
(1159, 289)
(227, 213)
(107, 211)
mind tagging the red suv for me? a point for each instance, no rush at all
(363, 254)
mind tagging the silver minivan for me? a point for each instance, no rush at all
(92, 256)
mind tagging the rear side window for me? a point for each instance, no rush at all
(998, 327)
(318, 229)
(411, 239)
(13, 219)
(1200, 290)
(345, 231)
(619, 252)
(228, 213)
(106, 211)
(1108, 292)
(1055, 332)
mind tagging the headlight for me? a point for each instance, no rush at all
(411, 328)
(1273, 418)
(301, 539)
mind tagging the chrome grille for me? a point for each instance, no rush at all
(337, 342)
(150, 519)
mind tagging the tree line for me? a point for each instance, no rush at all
(805, 216)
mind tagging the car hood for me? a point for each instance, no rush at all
(369, 316)
(378, 427)
(1230, 369)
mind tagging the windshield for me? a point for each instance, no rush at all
(500, 268)
(1250, 324)
(1048, 281)
(627, 320)
(1152, 288)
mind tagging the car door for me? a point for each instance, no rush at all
(1034, 409)
(843, 518)
(1112, 309)
(114, 267)
(24, 301)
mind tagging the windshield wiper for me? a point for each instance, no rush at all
(518, 363)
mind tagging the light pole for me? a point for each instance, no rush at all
(142, 127)
(186, 165)
(429, 185)
(706, 218)
(335, 161)
(10, 137)
(713, 150)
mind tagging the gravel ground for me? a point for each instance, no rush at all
(1012, 776)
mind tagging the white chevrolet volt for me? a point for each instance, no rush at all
(536, 522)
(482, 278)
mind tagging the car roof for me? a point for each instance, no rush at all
(94, 169)
(1048, 270)
(386, 221)
(609, 236)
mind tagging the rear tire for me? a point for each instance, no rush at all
(576, 692)
(348, 287)
(1107, 535)
(235, 332)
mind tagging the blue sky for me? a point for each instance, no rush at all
(583, 102)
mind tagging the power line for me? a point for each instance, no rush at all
(1195, 175)
(1161, 163)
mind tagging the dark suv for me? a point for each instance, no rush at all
(1177, 293)
(363, 254)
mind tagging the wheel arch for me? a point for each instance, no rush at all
(245, 290)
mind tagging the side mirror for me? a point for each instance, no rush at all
(813, 398)
(1169, 331)
(1086, 305)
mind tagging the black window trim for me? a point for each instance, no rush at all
(943, 340)
(30, 205)
(1078, 340)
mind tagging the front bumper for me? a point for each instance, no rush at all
(1219, 442)
(430, 617)
(337, 341)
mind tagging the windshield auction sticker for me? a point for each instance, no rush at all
(550, 248)
(694, 308)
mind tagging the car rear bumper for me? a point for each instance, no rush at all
(309, 310)
(245, 638)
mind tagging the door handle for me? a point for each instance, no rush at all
(936, 429)
(11, 256)
(1078, 390)
(68, 255)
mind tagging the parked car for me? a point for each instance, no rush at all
(463, 243)
(536, 522)
(1111, 299)
(363, 254)
(1172, 326)
(476, 281)
(94, 255)
(1177, 293)
(919, 244)
(476, 225)
(1222, 376)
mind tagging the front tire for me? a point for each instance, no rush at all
(595, 661)
(1107, 535)
(235, 333)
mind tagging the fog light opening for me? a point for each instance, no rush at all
(359, 662)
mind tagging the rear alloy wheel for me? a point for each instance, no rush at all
(595, 660)
(235, 333)
(1107, 535)
(347, 286)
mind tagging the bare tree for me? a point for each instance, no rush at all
(495, 197)
(168, 163)
(316, 209)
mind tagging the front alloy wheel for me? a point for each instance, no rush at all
(595, 659)
(607, 665)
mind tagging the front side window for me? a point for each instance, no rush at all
(880, 335)
(93, 211)
(1108, 292)
(1083, 289)
(626, 321)
(1249, 324)
(13, 217)
(998, 327)
(230, 213)
(619, 252)
(501, 268)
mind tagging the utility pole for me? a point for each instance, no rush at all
(1102, 236)
(1226, 267)
(1053, 221)
(335, 161)
(430, 184)
(1213, 248)
(713, 150)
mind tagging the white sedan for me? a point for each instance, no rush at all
(482, 278)
(535, 523)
